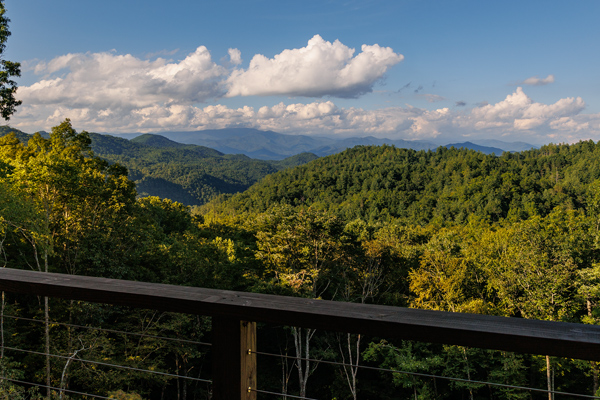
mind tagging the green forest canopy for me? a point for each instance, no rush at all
(189, 174)
(442, 186)
(452, 230)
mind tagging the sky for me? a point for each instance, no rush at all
(399, 69)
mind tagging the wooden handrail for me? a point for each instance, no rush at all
(474, 330)
(491, 332)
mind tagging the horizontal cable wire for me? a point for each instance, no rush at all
(586, 396)
(54, 388)
(110, 365)
(280, 394)
(111, 330)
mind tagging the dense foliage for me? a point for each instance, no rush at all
(442, 186)
(188, 174)
(8, 71)
(453, 230)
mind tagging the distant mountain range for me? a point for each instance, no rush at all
(186, 173)
(195, 167)
(269, 145)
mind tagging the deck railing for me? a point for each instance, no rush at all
(235, 314)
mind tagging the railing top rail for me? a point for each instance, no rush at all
(473, 330)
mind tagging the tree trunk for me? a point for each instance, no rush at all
(286, 371)
(47, 332)
(2, 337)
(468, 372)
(47, 336)
(64, 376)
(177, 367)
(549, 378)
(302, 345)
(596, 374)
(185, 381)
(594, 364)
(352, 370)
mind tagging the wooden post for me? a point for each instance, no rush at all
(248, 362)
(234, 364)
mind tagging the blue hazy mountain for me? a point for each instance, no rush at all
(506, 146)
(269, 145)
(472, 146)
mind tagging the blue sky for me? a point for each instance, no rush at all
(441, 70)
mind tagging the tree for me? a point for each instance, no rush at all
(74, 195)
(533, 266)
(299, 249)
(18, 218)
(8, 70)
(412, 357)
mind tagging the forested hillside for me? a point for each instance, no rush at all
(188, 174)
(443, 186)
(452, 230)
(22, 136)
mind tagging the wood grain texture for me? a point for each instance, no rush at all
(510, 334)
(248, 363)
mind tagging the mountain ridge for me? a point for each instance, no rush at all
(270, 145)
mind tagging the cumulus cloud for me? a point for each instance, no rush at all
(519, 112)
(235, 56)
(320, 69)
(108, 92)
(535, 81)
(108, 81)
(517, 117)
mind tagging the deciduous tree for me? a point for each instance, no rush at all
(8, 71)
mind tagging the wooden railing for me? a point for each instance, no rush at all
(234, 316)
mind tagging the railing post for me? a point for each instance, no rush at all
(234, 363)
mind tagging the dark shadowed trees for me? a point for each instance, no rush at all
(8, 70)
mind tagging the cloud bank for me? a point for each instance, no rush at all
(517, 117)
(108, 92)
(123, 82)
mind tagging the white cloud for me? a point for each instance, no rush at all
(535, 81)
(107, 92)
(109, 81)
(518, 112)
(104, 80)
(517, 117)
(320, 69)
(235, 56)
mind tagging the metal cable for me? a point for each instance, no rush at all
(280, 394)
(586, 396)
(55, 388)
(423, 375)
(110, 365)
(112, 331)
